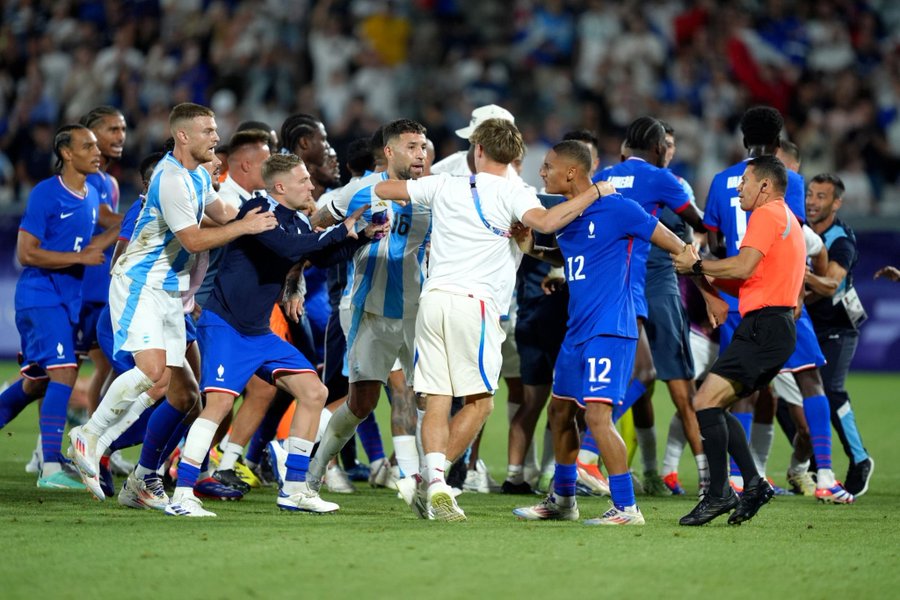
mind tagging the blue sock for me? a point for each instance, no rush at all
(818, 416)
(187, 474)
(588, 443)
(53, 420)
(621, 488)
(371, 438)
(564, 480)
(746, 420)
(12, 401)
(160, 424)
(635, 390)
(266, 431)
(297, 466)
(177, 435)
(135, 434)
(851, 433)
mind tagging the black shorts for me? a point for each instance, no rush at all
(762, 343)
(540, 329)
(335, 351)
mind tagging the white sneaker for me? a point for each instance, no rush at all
(118, 465)
(337, 482)
(442, 504)
(548, 510)
(480, 480)
(381, 474)
(630, 516)
(412, 491)
(37, 459)
(304, 500)
(279, 460)
(84, 451)
(187, 505)
(147, 492)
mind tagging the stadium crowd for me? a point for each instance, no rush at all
(830, 67)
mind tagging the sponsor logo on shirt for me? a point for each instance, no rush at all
(626, 181)
(65, 215)
(733, 182)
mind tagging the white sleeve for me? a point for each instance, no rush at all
(175, 202)
(425, 189)
(814, 243)
(522, 201)
(339, 202)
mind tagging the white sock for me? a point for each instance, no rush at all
(798, 466)
(224, 441)
(702, 467)
(122, 392)
(420, 415)
(515, 474)
(761, 436)
(435, 465)
(825, 479)
(646, 438)
(340, 429)
(198, 441)
(564, 501)
(674, 446)
(49, 468)
(407, 454)
(324, 420)
(134, 412)
(231, 452)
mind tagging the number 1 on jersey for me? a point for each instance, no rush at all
(740, 221)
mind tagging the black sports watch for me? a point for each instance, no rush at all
(698, 267)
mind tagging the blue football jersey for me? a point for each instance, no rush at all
(598, 248)
(723, 211)
(63, 221)
(654, 189)
(96, 278)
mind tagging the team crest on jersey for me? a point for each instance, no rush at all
(220, 372)
(591, 231)
(60, 350)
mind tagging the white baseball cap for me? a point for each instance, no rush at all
(482, 114)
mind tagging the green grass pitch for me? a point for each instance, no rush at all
(65, 545)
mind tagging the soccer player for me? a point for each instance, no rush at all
(471, 275)
(836, 314)
(767, 277)
(642, 178)
(387, 279)
(147, 281)
(761, 127)
(54, 246)
(236, 340)
(597, 355)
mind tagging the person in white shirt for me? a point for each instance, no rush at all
(471, 275)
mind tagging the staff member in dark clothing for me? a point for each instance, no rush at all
(836, 313)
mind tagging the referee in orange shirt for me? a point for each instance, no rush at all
(766, 276)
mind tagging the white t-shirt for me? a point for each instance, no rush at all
(467, 254)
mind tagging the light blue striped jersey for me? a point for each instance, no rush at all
(387, 275)
(176, 199)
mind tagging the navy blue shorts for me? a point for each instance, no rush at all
(335, 353)
(86, 331)
(669, 334)
(48, 340)
(230, 359)
(540, 330)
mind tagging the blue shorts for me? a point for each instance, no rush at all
(670, 337)
(48, 340)
(190, 330)
(230, 359)
(121, 362)
(807, 353)
(597, 370)
(86, 332)
(638, 294)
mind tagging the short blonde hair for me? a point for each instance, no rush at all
(277, 164)
(501, 140)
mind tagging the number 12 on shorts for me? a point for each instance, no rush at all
(604, 365)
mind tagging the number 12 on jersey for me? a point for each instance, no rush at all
(576, 266)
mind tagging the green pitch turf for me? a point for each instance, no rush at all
(65, 545)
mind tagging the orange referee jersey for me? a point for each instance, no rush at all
(776, 233)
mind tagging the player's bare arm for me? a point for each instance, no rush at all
(197, 239)
(30, 254)
(553, 219)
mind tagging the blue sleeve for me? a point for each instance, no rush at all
(130, 220)
(671, 192)
(711, 217)
(843, 252)
(37, 212)
(360, 198)
(293, 246)
(634, 220)
(795, 196)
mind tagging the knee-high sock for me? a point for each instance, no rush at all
(267, 429)
(407, 454)
(196, 449)
(564, 480)
(12, 401)
(341, 428)
(739, 449)
(714, 433)
(118, 399)
(370, 436)
(817, 413)
(131, 416)
(135, 434)
(160, 427)
(297, 460)
(621, 489)
(761, 437)
(845, 423)
(53, 420)
(745, 419)
(674, 446)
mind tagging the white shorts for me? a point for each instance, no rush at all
(458, 340)
(146, 319)
(786, 387)
(705, 353)
(512, 366)
(344, 316)
(376, 343)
